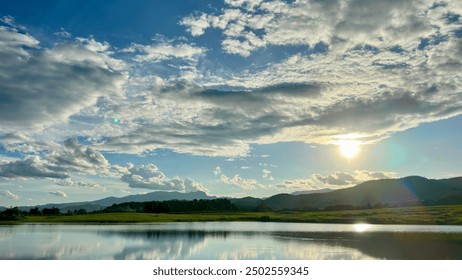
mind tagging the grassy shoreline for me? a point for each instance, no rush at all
(431, 215)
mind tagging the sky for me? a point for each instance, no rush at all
(234, 98)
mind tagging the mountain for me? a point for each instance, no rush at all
(407, 191)
(413, 190)
(326, 190)
(246, 203)
(153, 196)
(108, 201)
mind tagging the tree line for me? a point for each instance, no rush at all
(171, 206)
(174, 206)
(14, 212)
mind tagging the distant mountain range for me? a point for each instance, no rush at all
(413, 190)
(105, 202)
(326, 190)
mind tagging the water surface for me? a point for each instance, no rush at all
(230, 240)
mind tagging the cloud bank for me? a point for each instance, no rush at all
(150, 177)
(358, 69)
(336, 180)
(366, 70)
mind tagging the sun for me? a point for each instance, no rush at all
(349, 148)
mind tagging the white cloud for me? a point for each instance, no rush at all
(342, 24)
(63, 33)
(196, 25)
(304, 184)
(58, 161)
(40, 86)
(336, 180)
(217, 170)
(238, 181)
(58, 193)
(10, 195)
(30, 167)
(150, 177)
(165, 51)
(267, 174)
(374, 83)
(68, 182)
(371, 85)
(385, 67)
(248, 4)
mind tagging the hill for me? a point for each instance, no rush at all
(413, 190)
(407, 191)
(108, 201)
(326, 190)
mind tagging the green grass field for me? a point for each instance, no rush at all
(445, 215)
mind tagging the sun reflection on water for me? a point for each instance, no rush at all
(361, 227)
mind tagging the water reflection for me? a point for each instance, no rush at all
(362, 227)
(230, 240)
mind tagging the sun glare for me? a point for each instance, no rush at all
(361, 227)
(349, 148)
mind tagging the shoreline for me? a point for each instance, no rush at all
(418, 215)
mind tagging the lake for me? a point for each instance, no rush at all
(230, 240)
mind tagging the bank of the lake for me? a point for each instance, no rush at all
(425, 215)
(229, 240)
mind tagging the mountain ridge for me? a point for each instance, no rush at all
(410, 190)
(108, 201)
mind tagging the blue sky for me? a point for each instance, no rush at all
(233, 97)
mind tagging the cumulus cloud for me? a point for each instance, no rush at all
(63, 33)
(193, 119)
(267, 174)
(238, 181)
(16, 142)
(31, 167)
(367, 69)
(150, 177)
(58, 193)
(68, 182)
(336, 180)
(165, 51)
(10, 195)
(250, 25)
(41, 86)
(217, 170)
(196, 25)
(304, 184)
(76, 158)
(58, 162)
(373, 69)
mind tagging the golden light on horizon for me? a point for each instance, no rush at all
(349, 148)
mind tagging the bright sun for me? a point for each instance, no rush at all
(349, 148)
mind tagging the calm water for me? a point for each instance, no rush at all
(230, 240)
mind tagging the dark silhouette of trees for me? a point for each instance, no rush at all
(50, 211)
(12, 213)
(35, 211)
(174, 206)
(156, 207)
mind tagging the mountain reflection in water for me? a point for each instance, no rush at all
(229, 240)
